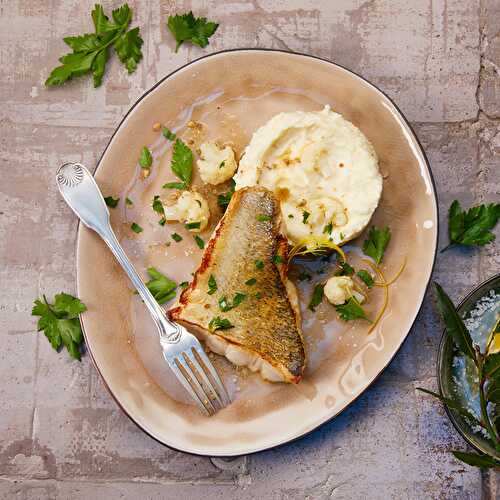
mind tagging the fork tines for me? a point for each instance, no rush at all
(198, 376)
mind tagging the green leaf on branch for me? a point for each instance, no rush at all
(483, 461)
(455, 327)
(492, 365)
(454, 405)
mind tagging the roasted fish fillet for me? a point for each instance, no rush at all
(247, 256)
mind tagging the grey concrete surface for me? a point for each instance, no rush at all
(61, 434)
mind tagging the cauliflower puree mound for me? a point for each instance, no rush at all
(321, 167)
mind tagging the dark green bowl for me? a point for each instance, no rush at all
(456, 371)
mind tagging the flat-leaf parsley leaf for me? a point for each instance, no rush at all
(351, 310)
(146, 158)
(182, 162)
(91, 51)
(317, 297)
(472, 227)
(187, 28)
(60, 323)
(376, 243)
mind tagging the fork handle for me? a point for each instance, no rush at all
(165, 327)
(81, 192)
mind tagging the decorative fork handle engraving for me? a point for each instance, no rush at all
(70, 174)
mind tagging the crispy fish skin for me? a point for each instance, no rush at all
(268, 327)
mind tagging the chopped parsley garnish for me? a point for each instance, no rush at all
(290, 216)
(136, 228)
(91, 50)
(199, 242)
(376, 243)
(259, 264)
(219, 323)
(316, 297)
(192, 225)
(222, 163)
(146, 158)
(342, 236)
(128, 201)
(305, 216)
(168, 134)
(277, 259)
(366, 277)
(187, 28)
(263, 218)
(158, 205)
(183, 284)
(176, 237)
(304, 276)
(162, 222)
(258, 295)
(226, 305)
(224, 198)
(212, 285)
(328, 228)
(162, 288)
(345, 269)
(111, 202)
(250, 282)
(351, 310)
(59, 322)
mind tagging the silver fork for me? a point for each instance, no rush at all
(181, 350)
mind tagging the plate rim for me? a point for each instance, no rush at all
(439, 364)
(421, 150)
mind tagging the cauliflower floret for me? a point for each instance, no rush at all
(216, 165)
(339, 289)
(190, 208)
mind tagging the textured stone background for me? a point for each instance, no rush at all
(62, 436)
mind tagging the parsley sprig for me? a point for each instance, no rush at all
(59, 322)
(187, 28)
(473, 226)
(91, 51)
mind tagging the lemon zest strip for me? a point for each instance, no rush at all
(396, 276)
(379, 315)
